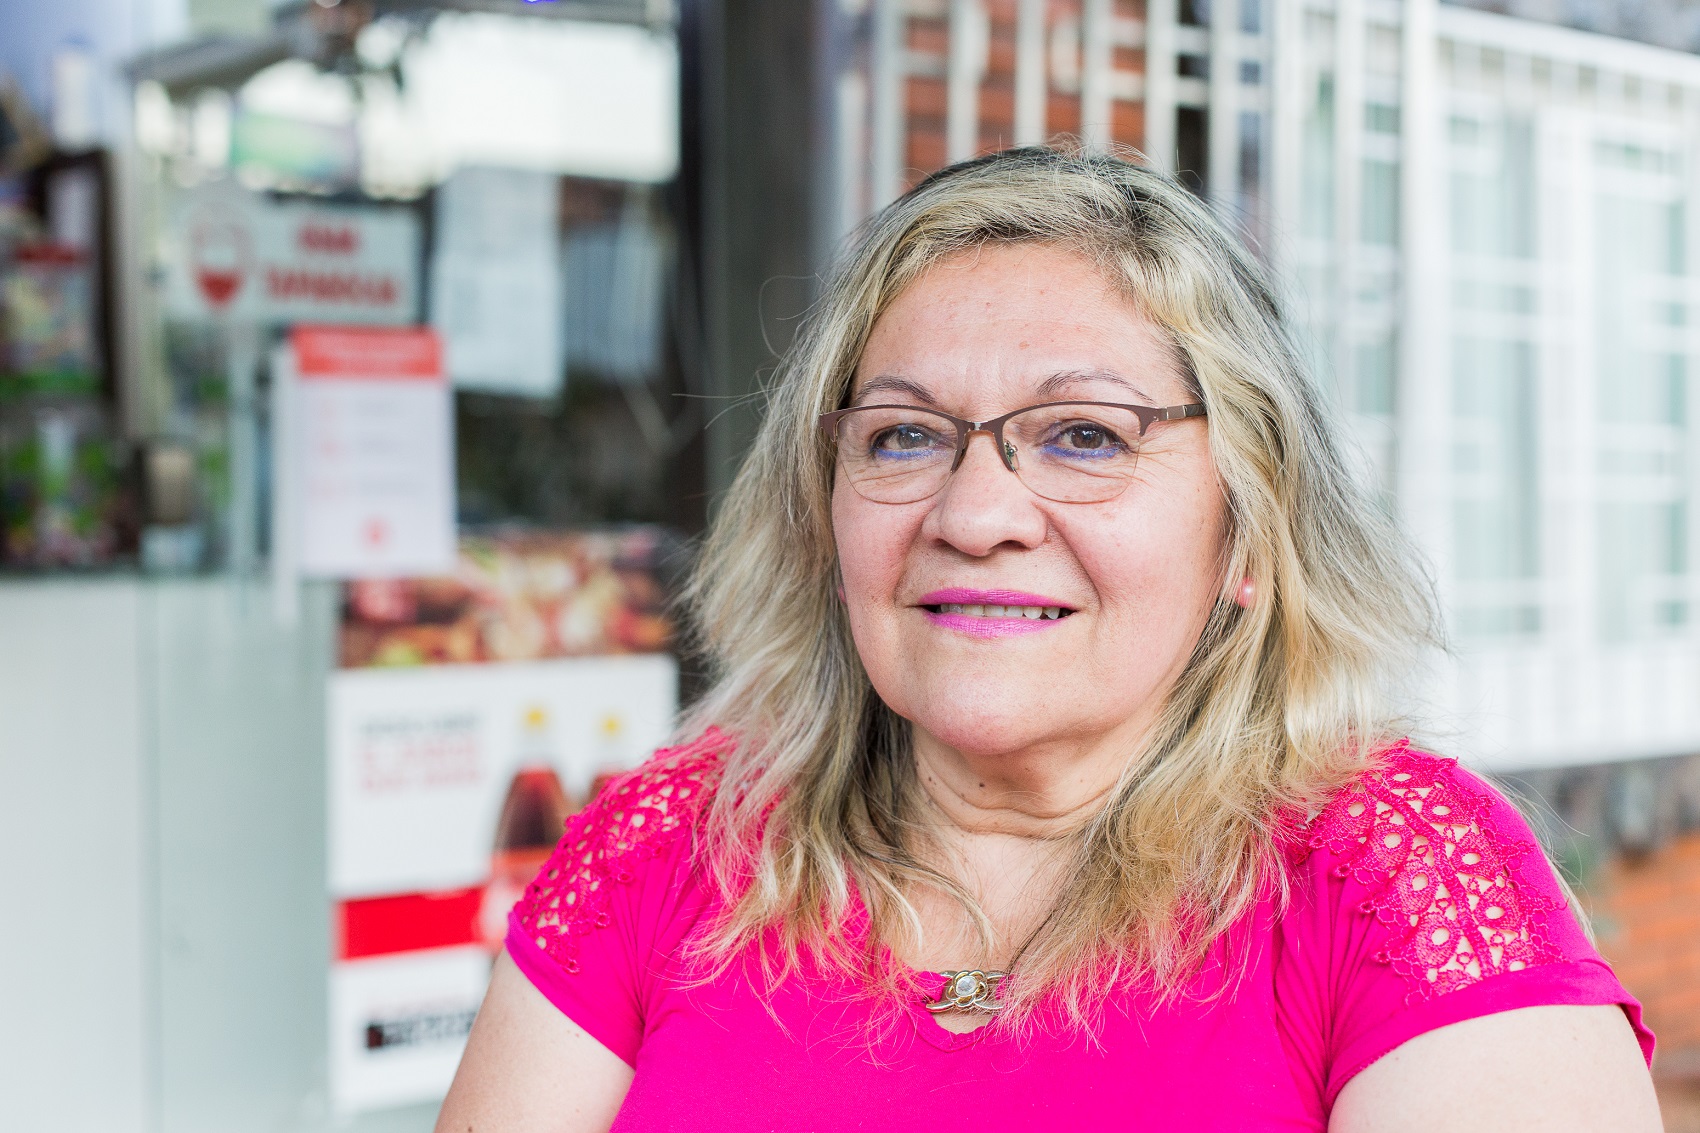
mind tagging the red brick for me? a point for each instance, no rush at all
(1654, 904)
(1062, 114)
(997, 106)
(928, 99)
(1127, 123)
(931, 36)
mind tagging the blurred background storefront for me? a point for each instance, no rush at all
(368, 368)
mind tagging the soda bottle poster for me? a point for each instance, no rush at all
(448, 787)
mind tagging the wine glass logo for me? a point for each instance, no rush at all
(221, 255)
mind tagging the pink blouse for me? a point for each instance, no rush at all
(1420, 899)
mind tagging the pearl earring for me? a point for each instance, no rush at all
(1246, 594)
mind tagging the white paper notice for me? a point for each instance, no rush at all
(366, 468)
(496, 291)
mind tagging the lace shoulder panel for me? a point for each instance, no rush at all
(1443, 875)
(633, 819)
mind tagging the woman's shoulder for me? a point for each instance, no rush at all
(1423, 899)
(1425, 793)
(1445, 862)
(640, 824)
(1413, 803)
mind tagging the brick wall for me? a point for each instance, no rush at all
(925, 101)
(1628, 835)
(1646, 910)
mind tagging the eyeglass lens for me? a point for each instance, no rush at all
(1066, 453)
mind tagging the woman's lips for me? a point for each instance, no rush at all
(992, 613)
(984, 626)
(965, 596)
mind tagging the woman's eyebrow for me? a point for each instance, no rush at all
(1058, 383)
(890, 383)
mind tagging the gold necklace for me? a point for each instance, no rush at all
(970, 990)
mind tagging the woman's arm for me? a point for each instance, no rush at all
(530, 1069)
(1546, 1069)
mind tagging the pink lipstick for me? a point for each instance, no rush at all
(992, 613)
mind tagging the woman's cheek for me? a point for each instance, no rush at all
(868, 575)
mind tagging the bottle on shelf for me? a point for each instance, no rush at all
(533, 813)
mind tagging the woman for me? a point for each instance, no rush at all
(1048, 780)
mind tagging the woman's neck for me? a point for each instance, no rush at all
(1041, 794)
(1003, 829)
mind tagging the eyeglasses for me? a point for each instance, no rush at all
(1071, 452)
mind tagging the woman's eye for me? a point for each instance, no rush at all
(1086, 436)
(903, 438)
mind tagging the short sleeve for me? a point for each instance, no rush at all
(1422, 899)
(606, 916)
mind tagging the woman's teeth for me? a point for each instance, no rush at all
(1036, 612)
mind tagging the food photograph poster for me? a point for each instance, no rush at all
(471, 715)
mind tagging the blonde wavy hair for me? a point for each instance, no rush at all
(1280, 705)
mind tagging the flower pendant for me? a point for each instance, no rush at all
(968, 991)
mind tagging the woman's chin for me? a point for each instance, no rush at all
(1012, 727)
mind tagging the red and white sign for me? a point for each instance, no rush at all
(447, 787)
(240, 256)
(365, 457)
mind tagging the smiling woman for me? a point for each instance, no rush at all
(1051, 781)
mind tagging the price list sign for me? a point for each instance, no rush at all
(365, 454)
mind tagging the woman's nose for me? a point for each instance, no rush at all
(983, 505)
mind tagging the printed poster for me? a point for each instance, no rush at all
(474, 713)
(364, 466)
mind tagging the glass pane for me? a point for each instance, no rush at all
(1642, 368)
(1496, 504)
(1494, 460)
(1493, 190)
(1375, 377)
(1380, 222)
(1317, 200)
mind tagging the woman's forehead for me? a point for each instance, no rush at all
(1060, 385)
(1034, 321)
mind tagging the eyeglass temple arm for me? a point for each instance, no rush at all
(1177, 412)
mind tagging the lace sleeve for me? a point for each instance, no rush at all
(1449, 868)
(609, 897)
(1428, 902)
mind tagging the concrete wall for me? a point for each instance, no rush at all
(74, 859)
(164, 928)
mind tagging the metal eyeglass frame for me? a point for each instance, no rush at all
(965, 429)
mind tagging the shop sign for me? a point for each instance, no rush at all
(364, 454)
(238, 256)
(448, 788)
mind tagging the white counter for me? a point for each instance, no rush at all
(166, 936)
